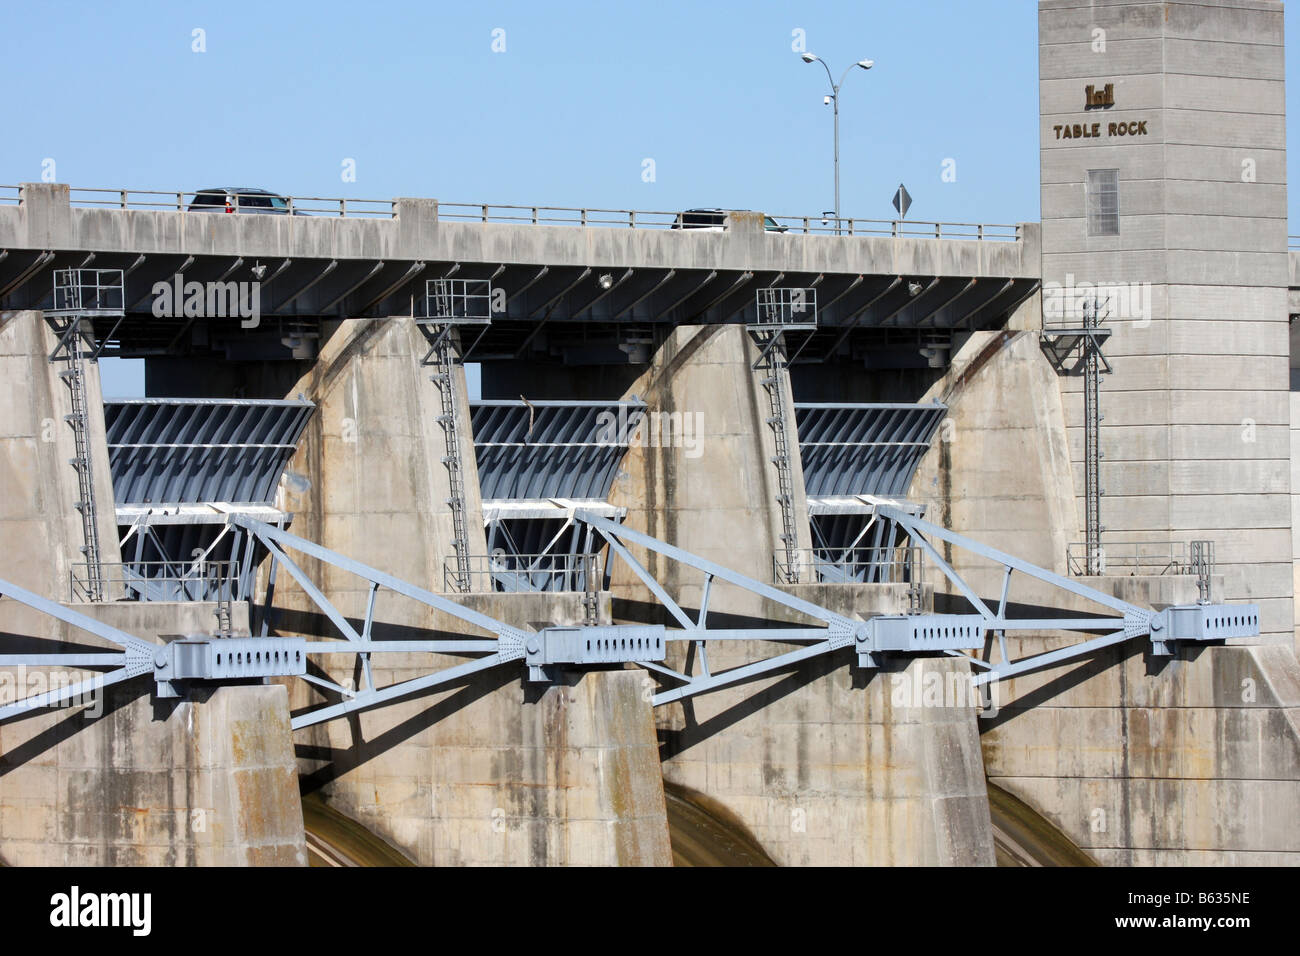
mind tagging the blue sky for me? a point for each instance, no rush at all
(582, 94)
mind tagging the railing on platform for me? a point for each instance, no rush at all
(528, 572)
(900, 565)
(194, 580)
(88, 291)
(1133, 558)
(10, 195)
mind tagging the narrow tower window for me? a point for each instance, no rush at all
(1103, 202)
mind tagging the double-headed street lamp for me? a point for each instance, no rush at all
(834, 99)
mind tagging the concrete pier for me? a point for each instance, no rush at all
(712, 488)
(121, 780)
(1189, 762)
(40, 528)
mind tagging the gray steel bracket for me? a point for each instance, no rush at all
(1200, 624)
(586, 646)
(917, 634)
(226, 659)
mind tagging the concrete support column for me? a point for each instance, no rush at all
(1188, 117)
(828, 768)
(369, 478)
(999, 468)
(501, 773)
(701, 476)
(119, 779)
(213, 783)
(1187, 762)
(40, 528)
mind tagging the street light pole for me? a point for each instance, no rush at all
(835, 103)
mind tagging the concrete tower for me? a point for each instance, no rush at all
(1163, 151)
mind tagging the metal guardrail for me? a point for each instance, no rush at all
(1293, 242)
(183, 200)
(1145, 557)
(651, 219)
(556, 215)
(79, 291)
(157, 581)
(528, 572)
(900, 229)
(1131, 557)
(900, 565)
(784, 308)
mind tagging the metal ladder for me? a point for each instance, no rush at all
(443, 355)
(772, 362)
(1092, 439)
(75, 378)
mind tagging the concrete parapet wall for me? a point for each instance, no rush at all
(44, 220)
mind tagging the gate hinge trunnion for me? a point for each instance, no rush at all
(1201, 623)
(612, 644)
(227, 659)
(917, 632)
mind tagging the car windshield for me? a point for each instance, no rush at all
(247, 200)
(770, 223)
(278, 202)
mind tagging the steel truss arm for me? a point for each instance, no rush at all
(1196, 623)
(174, 664)
(838, 632)
(135, 658)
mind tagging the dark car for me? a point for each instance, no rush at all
(715, 220)
(243, 199)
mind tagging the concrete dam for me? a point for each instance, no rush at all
(873, 544)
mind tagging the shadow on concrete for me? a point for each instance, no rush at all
(115, 698)
(1084, 669)
(799, 675)
(339, 761)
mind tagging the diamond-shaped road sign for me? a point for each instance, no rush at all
(902, 201)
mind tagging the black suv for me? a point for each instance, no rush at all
(715, 220)
(243, 199)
